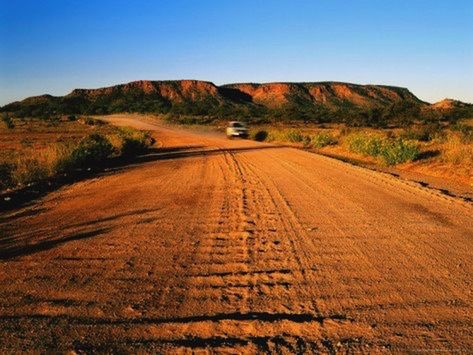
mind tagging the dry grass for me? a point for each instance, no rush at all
(35, 149)
(439, 150)
(456, 151)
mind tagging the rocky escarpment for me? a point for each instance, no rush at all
(308, 101)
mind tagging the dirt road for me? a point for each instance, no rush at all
(237, 246)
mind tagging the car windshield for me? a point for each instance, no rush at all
(236, 124)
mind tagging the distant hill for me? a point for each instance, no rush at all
(204, 102)
(450, 104)
(329, 94)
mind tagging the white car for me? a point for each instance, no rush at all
(237, 129)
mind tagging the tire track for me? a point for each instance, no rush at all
(238, 247)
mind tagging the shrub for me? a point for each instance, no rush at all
(7, 120)
(92, 121)
(90, 151)
(284, 135)
(390, 151)
(116, 141)
(5, 175)
(321, 140)
(399, 151)
(56, 155)
(134, 142)
(260, 135)
(132, 146)
(423, 134)
(456, 151)
(34, 165)
(465, 131)
(293, 136)
(273, 136)
(365, 144)
(29, 169)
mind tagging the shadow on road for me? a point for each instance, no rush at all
(12, 245)
(19, 244)
(185, 153)
(25, 196)
(21, 250)
(267, 317)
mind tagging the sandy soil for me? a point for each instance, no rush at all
(237, 246)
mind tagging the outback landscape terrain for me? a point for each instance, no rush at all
(129, 222)
(236, 177)
(195, 101)
(208, 243)
(370, 125)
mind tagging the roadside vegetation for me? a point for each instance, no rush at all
(7, 120)
(390, 151)
(35, 150)
(445, 146)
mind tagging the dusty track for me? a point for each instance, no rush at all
(237, 245)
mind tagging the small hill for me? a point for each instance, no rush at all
(450, 104)
(204, 101)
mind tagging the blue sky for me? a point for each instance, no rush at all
(54, 46)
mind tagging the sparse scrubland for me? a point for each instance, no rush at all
(446, 146)
(33, 150)
(383, 124)
(390, 150)
(238, 220)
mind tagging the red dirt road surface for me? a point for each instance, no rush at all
(237, 246)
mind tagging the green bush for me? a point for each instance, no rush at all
(365, 144)
(399, 151)
(321, 140)
(69, 156)
(284, 135)
(260, 135)
(293, 136)
(134, 142)
(133, 146)
(390, 151)
(90, 151)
